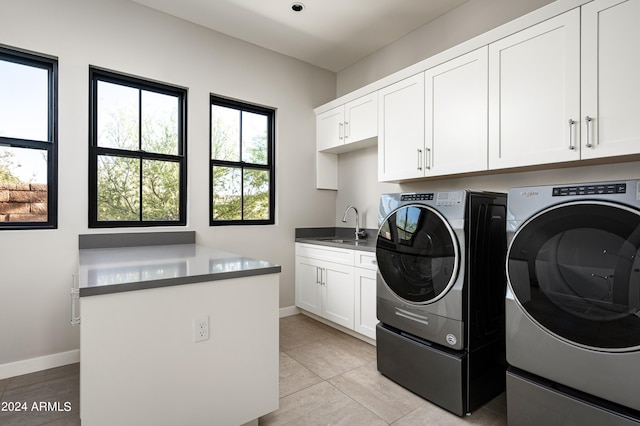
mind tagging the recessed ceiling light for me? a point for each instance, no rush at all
(297, 7)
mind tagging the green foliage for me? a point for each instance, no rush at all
(239, 193)
(119, 178)
(6, 165)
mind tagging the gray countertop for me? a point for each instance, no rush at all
(118, 269)
(337, 237)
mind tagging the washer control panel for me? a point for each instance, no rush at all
(609, 188)
(424, 196)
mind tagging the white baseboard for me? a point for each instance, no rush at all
(32, 365)
(288, 311)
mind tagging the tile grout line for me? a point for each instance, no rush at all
(360, 405)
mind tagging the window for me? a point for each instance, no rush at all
(242, 163)
(28, 140)
(137, 166)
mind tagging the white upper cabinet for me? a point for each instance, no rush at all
(330, 129)
(341, 128)
(534, 94)
(361, 119)
(610, 83)
(557, 86)
(401, 130)
(456, 94)
(348, 127)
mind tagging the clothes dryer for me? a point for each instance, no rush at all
(573, 303)
(440, 295)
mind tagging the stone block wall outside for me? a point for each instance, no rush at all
(23, 202)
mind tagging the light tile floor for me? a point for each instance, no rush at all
(330, 378)
(326, 378)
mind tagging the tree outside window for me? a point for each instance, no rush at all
(137, 151)
(242, 163)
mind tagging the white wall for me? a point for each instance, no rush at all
(358, 185)
(36, 266)
(461, 24)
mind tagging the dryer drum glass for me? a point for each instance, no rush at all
(576, 271)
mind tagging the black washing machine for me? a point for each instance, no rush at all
(440, 295)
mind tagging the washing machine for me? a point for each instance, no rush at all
(440, 295)
(573, 304)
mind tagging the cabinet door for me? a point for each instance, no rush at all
(365, 302)
(361, 119)
(308, 287)
(456, 94)
(337, 287)
(610, 83)
(534, 90)
(330, 129)
(401, 130)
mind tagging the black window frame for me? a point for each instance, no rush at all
(99, 74)
(50, 64)
(270, 113)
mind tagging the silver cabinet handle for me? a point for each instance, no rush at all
(588, 121)
(340, 130)
(428, 159)
(419, 159)
(317, 275)
(75, 299)
(346, 129)
(571, 127)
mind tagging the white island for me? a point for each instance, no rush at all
(144, 359)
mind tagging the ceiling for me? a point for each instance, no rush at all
(331, 34)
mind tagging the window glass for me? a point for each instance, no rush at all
(254, 138)
(242, 163)
(137, 147)
(117, 116)
(227, 190)
(28, 141)
(24, 103)
(160, 190)
(118, 188)
(225, 133)
(256, 194)
(160, 123)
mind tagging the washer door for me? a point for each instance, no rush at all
(575, 270)
(417, 254)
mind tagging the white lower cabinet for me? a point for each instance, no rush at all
(365, 294)
(338, 285)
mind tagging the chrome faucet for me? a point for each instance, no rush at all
(359, 233)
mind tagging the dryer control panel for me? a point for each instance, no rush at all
(609, 188)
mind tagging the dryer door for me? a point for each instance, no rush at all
(417, 254)
(575, 271)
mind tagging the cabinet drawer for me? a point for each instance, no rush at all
(330, 254)
(366, 259)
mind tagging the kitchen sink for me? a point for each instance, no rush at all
(346, 241)
(338, 240)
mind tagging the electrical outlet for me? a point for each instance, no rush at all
(200, 329)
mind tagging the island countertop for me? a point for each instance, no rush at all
(119, 269)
